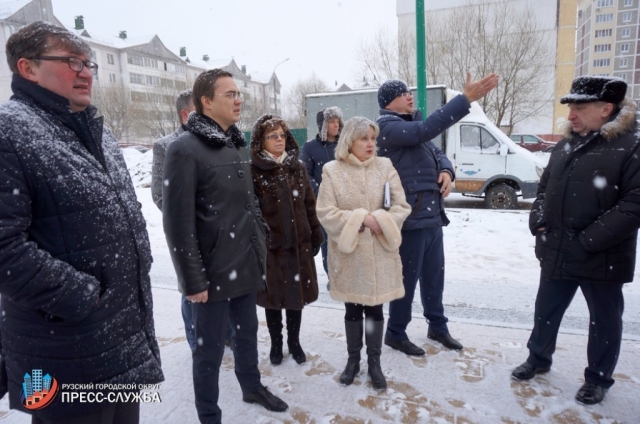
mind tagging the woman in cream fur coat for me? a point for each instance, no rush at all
(364, 263)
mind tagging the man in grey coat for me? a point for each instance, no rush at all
(184, 106)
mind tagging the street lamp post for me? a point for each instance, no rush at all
(275, 94)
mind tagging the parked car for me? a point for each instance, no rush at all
(532, 142)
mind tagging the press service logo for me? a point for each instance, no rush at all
(38, 391)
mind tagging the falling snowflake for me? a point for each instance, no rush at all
(599, 182)
(233, 275)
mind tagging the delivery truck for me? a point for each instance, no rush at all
(487, 163)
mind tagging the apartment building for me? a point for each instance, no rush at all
(140, 66)
(607, 41)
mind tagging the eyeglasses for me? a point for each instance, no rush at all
(406, 94)
(232, 95)
(74, 63)
(274, 137)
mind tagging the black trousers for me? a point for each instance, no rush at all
(113, 413)
(210, 321)
(606, 304)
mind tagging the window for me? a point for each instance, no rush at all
(137, 60)
(112, 77)
(628, 3)
(601, 62)
(136, 78)
(624, 48)
(152, 80)
(621, 76)
(93, 55)
(605, 3)
(150, 63)
(605, 17)
(137, 96)
(624, 62)
(600, 75)
(602, 48)
(166, 82)
(601, 33)
(110, 59)
(626, 32)
(626, 17)
(180, 69)
(478, 140)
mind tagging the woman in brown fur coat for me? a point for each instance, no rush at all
(364, 239)
(289, 207)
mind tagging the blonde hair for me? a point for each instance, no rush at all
(354, 128)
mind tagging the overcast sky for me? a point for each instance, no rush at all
(316, 36)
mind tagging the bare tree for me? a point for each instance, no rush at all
(252, 109)
(386, 56)
(115, 105)
(497, 37)
(296, 99)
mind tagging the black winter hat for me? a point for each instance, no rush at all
(389, 90)
(593, 89)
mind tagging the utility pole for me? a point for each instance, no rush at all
(421, 57)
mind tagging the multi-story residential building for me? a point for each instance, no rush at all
(555, 25)
(144, 70)
(607, 41)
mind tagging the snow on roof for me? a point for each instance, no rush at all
(8, 8)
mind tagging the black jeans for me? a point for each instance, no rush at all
(210, 321)
(606, 304)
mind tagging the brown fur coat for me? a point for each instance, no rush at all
(289, 207)
(364, 268)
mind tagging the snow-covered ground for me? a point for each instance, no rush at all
(491, 283)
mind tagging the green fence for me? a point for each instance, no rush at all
(300, 134)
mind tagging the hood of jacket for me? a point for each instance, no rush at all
(621, 123)
(256, 146)
(211, 132)
(324, 116)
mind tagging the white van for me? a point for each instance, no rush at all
(487, 163)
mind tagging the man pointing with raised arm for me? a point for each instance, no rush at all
(426, 176)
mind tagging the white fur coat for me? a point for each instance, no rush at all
(364, 268)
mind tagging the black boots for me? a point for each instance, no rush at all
(353, 331)
(294, 318)
(373, 337)
(274, 324)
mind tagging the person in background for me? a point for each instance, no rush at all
(320, 150)
(364, 237)
(585, 219)
(76, 300)
(426, 176)
(217, 240)
(288, 206)
(184, 106)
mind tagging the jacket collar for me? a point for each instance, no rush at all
(416, 115)
(352, 160)
(621, 123)
(209, 130)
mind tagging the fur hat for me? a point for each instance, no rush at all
(593, 89)
(389, 90)
(324, 116)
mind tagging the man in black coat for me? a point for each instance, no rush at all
(74, 251)
(217, 239)
(319, 151)
(585, 220)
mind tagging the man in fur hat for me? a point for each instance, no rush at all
(585, 220)
(320, 150)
